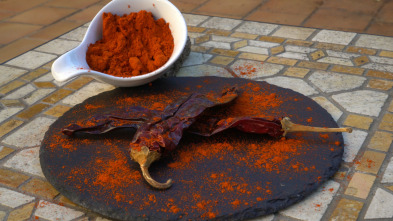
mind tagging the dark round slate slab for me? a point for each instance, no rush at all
(230, 176)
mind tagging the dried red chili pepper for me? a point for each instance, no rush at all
(158, 131)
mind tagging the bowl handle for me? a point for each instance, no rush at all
(68, 66)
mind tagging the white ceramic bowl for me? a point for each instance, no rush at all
(73, 63)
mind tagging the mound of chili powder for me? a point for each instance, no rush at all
(131, 45)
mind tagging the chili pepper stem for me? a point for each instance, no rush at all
(289, 126)
(145, 157)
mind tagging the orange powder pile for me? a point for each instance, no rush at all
(131, 45)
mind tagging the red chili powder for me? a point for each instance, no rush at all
(131, 45)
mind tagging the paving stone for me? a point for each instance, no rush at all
(347, 210)
(87, 91)
(224, 39)
(376, 42)
(255, 69)
(386, 54)
(32, 111)
(359, 50)
(37, 95)
(8, 74)
(338, 61)
(194, 20)
(353, 142)
(195, 29)
(329, 46)
(44, 84)
(221, 60)
(203, 70)
(222, 23)
(382, 60)
(299, 42)
(65, 201)
(21, 92)
(224, 52)
(218, 32)
(294, 55)
(360, 185)
(40, 188)
(362, 101)
(317, 55)
(313, 65)
(294, 32)
(381, 141)
(380, 84)
(380, 206)
(358, 121)
(284, 61)
(348, 70)
(256, 28)
(334, 37)
(314, 206)
(240, 44)
(252, 56)
(76, 35)
(34, 74)
(390, 108)
(331, 82)
(277, 50)
(5, 151)
(8, 112)
(299, 49)
(272, 39)
(217, 44)
(57, 96)
(101, 219)
(22, 213)
(11, 86)
(58, 46)
(11, 178)
(196, 58)
(12, 103)
(339, 54)
(297, 85)
(262, 44)
(31, 60)
(255, 50)
(30, 134)
(387, 122)
(371, 162)
(13, 199)
(329, 106)
(57, 111)
(27, 160)
(244, 35)
(8, 126)
(2, 215)
(201, 39)
(388, 174)
(380, 74)
(82, 81)
(53, 212)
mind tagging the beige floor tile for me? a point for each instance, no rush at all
(42, 15)
(15, 31)
(228, 8)
(85, 15)
(18, 47)
(19, 5)
(360, 185)
(52, 31)
(371, 162)
(71, 4)
(6, 14)
(187, 5)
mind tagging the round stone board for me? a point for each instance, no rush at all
(229, 176)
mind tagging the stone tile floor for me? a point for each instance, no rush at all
(347, 73)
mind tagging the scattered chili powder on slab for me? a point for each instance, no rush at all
(131, 45)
